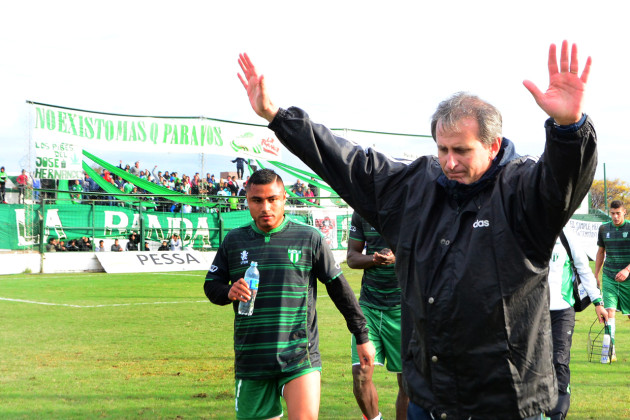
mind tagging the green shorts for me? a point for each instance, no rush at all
(385, 335)
(260, 399)
(616, 294)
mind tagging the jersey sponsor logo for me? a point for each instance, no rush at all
(294, 255)
(481, 224)
(607, 235)
(213, 268)
(244, 256)
(353, 228)
(625, 234)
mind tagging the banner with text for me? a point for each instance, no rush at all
(150, 262)
(60, 134)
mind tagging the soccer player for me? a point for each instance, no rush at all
(380, 303)
(276, 349)
(613, 255)
(473, 229)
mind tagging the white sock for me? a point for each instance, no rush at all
(379, 417)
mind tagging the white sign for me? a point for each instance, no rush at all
(95, 130)
(586, 234)
(154, 261)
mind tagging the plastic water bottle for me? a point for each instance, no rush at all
(605, 349)
(252, 276)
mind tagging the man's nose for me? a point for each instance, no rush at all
(451, 162)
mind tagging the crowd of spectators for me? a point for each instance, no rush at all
(133, 244)
(309, 192)
(229, 192)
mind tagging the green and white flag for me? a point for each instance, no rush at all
(60, 134)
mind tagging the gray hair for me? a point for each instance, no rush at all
(465, 105)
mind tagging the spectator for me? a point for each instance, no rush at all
(176, 243)
(101, 246)
(194, 185)
(85, 244)
(135, 170)
(157, 177)
(232, 184)
(315, 190)
(22, 183)
(72, 245)
(116, 247)
(309, 194)
(36, 186)
(51, 246)
(76, 189)
(240, 166)
(186, 208)
(146, 246)
(61, 246)
(233, 201)
(164, 246)
(132, 243)
(3, 182)
(107, 176)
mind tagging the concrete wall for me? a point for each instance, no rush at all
(67, 262)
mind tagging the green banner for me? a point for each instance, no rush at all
(73, 221)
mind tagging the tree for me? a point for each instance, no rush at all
(617, 190)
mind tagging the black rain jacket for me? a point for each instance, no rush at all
(472, 260)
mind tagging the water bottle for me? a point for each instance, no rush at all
(251, 277)
(605, 349)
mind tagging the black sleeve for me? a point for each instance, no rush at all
(217, 284)
(346, 302)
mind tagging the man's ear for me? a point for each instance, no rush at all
(495, 147)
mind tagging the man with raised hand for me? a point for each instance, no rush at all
(277, 348)
(473, 230)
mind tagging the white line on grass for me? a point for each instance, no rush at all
(100, 306)
(112, 304)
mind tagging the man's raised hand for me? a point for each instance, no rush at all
(256, 89)
(564, 97)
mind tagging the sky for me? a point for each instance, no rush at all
(381, 66)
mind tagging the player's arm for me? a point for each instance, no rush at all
(217, 286)
(346, 302)
(355, 258)
(599, 263)
(623, 274)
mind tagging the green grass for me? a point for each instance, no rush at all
(174, 360)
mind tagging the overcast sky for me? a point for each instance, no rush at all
(380, 66)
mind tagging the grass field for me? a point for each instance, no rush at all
(150, 346)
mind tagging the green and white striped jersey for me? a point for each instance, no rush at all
(379, 287)
(616, 241)
(281, 337)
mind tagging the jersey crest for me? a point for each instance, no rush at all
(294, 255)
